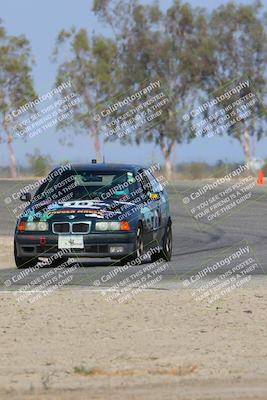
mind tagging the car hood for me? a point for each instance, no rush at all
(85, 209)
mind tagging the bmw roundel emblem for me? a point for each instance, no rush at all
(71, 216)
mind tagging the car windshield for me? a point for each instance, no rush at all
(86, 184)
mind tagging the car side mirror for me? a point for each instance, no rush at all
(154, 196)
(26, 197)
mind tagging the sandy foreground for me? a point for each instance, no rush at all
(161, 344)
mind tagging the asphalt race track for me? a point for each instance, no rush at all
(195, 242)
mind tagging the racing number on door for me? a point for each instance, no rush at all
(152, 219)
(151, 212)
(155, 220)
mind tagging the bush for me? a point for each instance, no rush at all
(198, 170)
(40, 164)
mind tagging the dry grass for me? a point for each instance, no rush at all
(173, 371)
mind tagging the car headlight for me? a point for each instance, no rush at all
(36, 226)
(112, 226)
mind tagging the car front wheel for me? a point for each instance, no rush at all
(25, 262)
(166, 251)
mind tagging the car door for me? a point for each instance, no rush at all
(152, 207)
(161, 210)
(147, 207)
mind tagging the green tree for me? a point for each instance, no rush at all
(239, 40)
(155, 45)
(90, 66)
(16, 85)
(40, 164)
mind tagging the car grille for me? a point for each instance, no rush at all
(74, 227)
(61, 227)
(80, 227)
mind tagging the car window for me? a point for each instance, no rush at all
(143, 179)
(155, 185)
(86, 184)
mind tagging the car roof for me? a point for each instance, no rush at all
(103, 167)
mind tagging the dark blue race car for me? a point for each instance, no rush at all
(94, 210)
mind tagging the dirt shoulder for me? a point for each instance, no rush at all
(161, 344)
(6, 253)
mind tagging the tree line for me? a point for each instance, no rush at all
(194, 52)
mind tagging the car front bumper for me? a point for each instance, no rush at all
(95, 245)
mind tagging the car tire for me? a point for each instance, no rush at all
(139, 247)
(25, 262)
(166, 252)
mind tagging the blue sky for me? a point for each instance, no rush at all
(41, 21)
